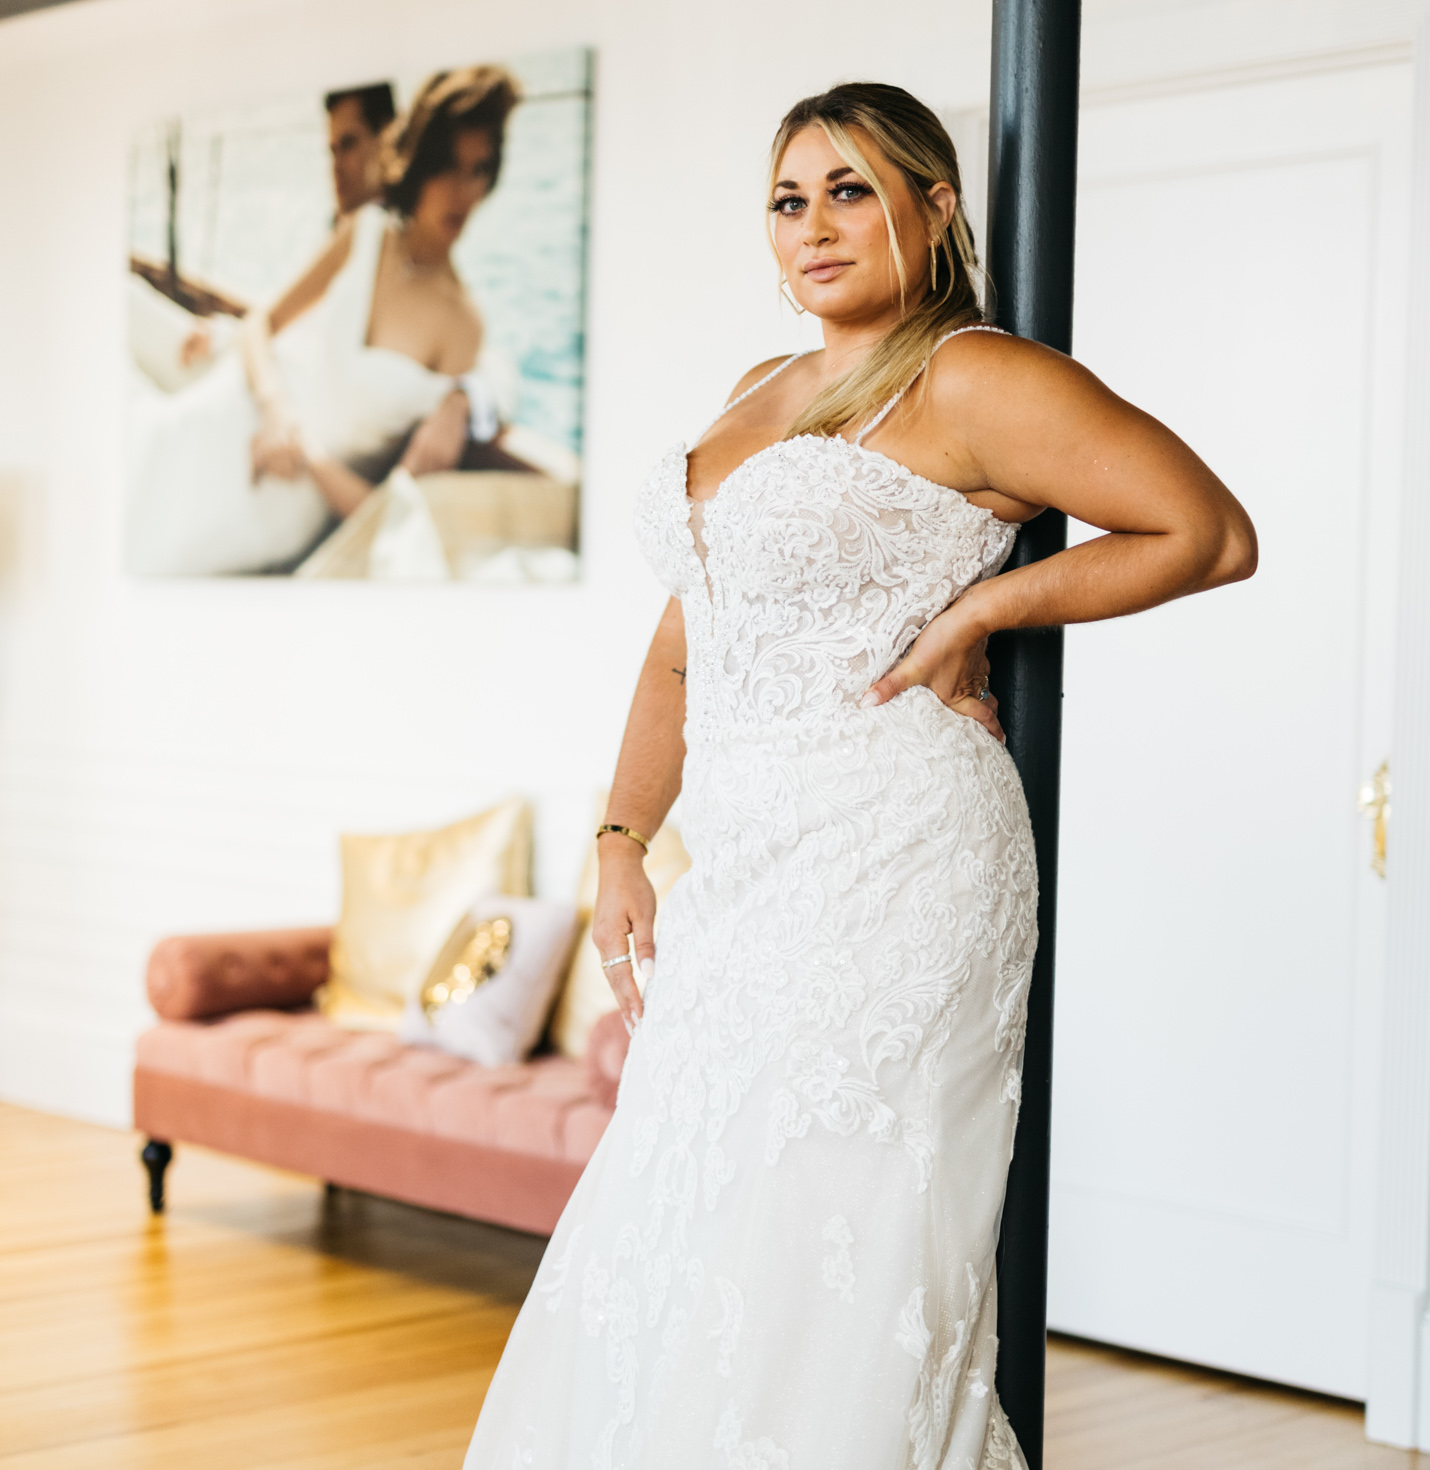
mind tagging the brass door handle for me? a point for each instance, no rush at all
(1375, 803)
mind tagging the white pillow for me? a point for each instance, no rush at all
(402, 893)
(408, 545)
(495, 1021)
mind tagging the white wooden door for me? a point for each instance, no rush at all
(1242, 268)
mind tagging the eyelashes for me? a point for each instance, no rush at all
(851, 193)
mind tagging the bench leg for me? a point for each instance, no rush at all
(155, 1156)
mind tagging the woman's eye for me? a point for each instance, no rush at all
(787, 204)
(849, 192)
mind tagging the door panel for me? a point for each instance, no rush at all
(1240, 253)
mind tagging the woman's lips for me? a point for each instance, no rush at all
(826, 270)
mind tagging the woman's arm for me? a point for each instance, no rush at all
(1040, 430)
(342, 488)
(275, 449)
(647, 781)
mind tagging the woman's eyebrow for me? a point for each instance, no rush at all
(829, 178)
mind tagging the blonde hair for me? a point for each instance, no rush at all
(912, 138)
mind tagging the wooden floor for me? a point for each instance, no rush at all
(260, 1327)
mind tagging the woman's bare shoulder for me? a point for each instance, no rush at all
(990, 366)
(465, 316)
(463, 331)
(981, 348)
(760, 370)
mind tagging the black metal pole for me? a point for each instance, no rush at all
(173, 145)
(1032, 190)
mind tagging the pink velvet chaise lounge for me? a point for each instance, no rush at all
(241, 1063)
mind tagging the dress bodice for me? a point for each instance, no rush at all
(823, 560)
(353, 399)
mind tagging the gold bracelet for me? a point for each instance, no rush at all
(625, 832)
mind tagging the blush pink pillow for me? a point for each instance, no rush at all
(212, 974)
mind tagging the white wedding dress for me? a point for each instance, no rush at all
(781, 1256)
(193, 509)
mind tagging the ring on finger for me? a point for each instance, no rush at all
(620, 959)
(984, 693)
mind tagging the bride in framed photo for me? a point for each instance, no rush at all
(249, 466)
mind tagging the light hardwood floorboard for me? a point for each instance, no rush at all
(260, 1326)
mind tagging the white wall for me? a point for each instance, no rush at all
(179, 757)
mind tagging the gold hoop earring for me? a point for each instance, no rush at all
(933, 266)
(798, 309)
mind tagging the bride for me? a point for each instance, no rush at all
(244, 469)
(781, 1256)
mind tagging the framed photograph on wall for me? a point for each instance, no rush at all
(355, 330)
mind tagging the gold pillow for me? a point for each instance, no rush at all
(402, 896)
(586, 995)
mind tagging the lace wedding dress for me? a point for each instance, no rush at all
(781, 1256)
(193, 509)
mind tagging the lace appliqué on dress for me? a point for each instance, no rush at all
(838, 1267)
(551, 1283)
(929, 1414)
(740, 1454)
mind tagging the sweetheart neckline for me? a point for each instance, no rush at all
(407, 357)
(685, 451)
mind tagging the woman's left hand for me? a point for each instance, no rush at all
(276, 449)
(950, 657)
(438, 441)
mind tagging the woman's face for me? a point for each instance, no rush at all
(446, 201)
(831, 235)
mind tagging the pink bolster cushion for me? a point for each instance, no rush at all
(605, 1057)
(197, 975)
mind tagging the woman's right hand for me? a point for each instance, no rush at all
(276, 448)
(625, 906)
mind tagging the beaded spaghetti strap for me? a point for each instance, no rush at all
(753, 388)
(947, 337)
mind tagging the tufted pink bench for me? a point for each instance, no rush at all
(284, 1087)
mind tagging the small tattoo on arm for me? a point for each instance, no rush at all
(681, 672)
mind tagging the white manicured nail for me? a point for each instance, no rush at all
(630, 1030)
(869, 700)
(647, 968)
